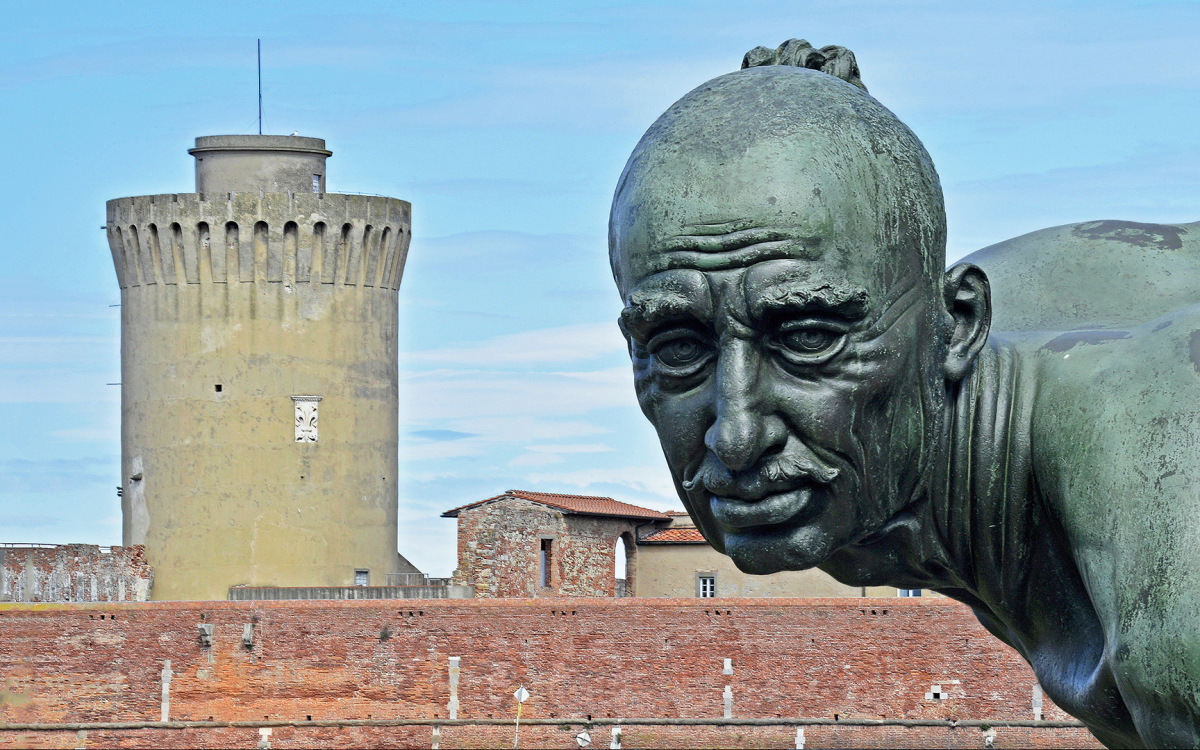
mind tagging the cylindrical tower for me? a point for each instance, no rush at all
(259, 377)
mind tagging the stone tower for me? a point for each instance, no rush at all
(259, 416)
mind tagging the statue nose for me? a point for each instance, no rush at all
(733, 439)
(743, 430)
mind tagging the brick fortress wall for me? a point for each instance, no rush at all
(313, 661)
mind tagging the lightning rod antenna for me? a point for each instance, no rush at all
(260, 87)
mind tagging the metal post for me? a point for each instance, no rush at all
(260, 87)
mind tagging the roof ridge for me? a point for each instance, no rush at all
(598, 505)
(556, 494)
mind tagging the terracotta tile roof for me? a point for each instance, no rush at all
(676, 513)
(679, 535)
(583, 504)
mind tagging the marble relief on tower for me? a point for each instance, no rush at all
(306, 418)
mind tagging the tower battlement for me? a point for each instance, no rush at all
(258, 237)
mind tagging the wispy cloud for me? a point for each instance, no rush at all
(88, 434)
(536, 459)
(441, 435)
(445, 394)
(55, 475)
(435, 451)
(525, 427)
(544, 455)
(29, 522)
(548, 345)
(652, 480)
(599, 94)
(58, 385)
(1154, 185)
(500, 187)
(571, 448)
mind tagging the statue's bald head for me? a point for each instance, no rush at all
(778, 238)
(794, 154)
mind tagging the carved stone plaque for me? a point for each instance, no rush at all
(306, 418)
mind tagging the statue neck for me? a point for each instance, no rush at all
(985, 515)
(984, 532)
(965, 532)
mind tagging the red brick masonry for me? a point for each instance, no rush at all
(314, 661)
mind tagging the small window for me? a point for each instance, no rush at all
(908, 592)
(362, 578)
(706, 585)
(217, 387)
(547, 561)
(316, 183)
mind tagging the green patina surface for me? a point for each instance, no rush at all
(1020, 432)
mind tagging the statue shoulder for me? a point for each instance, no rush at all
(1119, 401)
(1115, 437)
(1096, 274)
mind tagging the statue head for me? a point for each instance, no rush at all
(778, 239)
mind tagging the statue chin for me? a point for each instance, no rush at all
(764, 551)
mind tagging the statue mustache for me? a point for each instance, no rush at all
(715, 477)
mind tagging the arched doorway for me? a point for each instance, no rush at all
(625, 565)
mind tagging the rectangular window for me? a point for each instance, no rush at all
(908, 592)
(547, 561)
(362, 578)
(706, 585)
(316, 183)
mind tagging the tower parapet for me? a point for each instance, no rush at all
(259, 237)
(244, 312)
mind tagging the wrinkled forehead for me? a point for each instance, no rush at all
(777, 201)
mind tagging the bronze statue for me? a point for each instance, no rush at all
(1020, 432)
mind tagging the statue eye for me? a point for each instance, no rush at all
(808, 340)
(808, 344)
(680, 352)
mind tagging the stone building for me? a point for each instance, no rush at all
(248, 308)
(531, 544)
(674, 560)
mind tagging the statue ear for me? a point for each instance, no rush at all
(968, 298)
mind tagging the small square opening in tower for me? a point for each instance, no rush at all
(217, 387)
(362, 578)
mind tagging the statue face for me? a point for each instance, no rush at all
(786, 357)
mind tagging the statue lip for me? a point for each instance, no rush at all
(769, 510)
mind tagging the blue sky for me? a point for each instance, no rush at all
(506, 124)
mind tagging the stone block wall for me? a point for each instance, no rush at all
(74, 573)
(499, 550)
(332, 674)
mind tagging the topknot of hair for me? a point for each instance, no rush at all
(836, 61)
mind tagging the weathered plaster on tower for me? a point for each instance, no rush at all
(234, 304)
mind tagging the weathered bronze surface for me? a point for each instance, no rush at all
(1020, 432)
